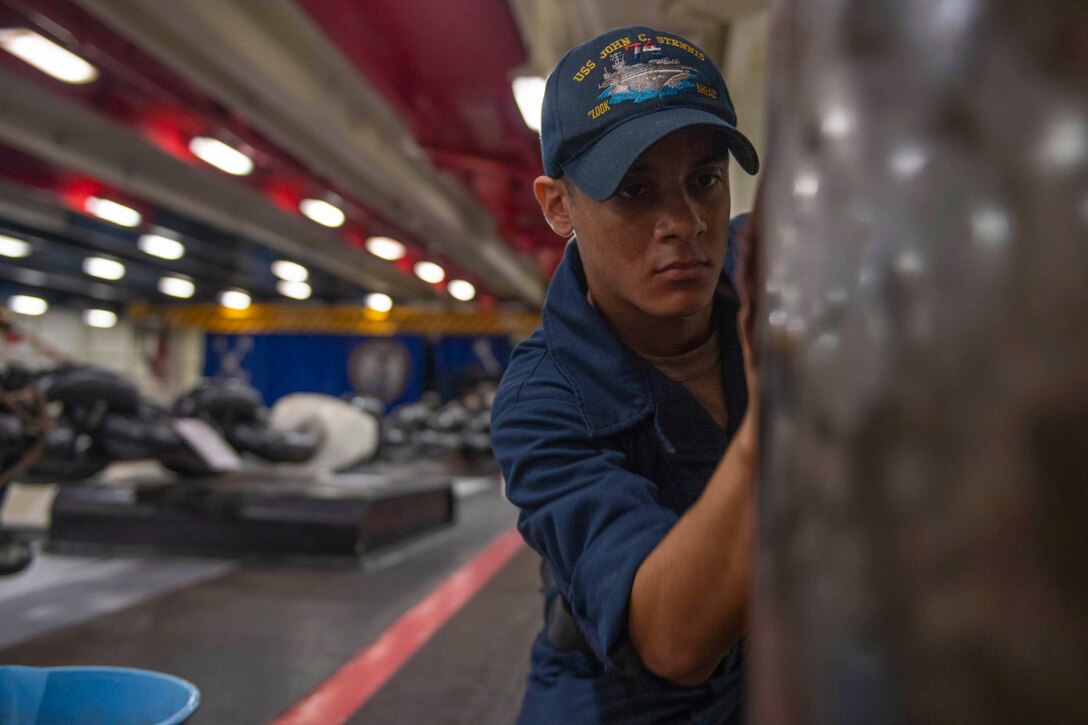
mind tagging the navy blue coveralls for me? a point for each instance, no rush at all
(603, 453)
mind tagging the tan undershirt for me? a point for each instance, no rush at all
(700, 371)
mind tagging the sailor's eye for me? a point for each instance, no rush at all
(630, 191)
(708, 179)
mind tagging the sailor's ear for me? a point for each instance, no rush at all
(553, 195)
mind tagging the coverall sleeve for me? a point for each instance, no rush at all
(593, 520)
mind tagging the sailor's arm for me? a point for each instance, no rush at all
(689, 600)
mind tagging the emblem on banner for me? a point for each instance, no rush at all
(380, 368)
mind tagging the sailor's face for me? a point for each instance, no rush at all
(658, 244)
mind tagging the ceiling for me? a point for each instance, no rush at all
(397, 111)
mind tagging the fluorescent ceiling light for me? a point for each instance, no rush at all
(47, 56)
(111, 211)
(162, 247)
(235, 299)
(529, 93)
(12, 247)
(103, 268)
(99, 318)
(322, 212)
(379, 302)
(385, 248)
(294, 290)
(429, 272)
(27, 305)
(290, 271)
(459, 289)
(177, 287)
(221, 156)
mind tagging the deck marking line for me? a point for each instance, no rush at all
(347, 690)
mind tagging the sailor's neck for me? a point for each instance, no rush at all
(656, 336)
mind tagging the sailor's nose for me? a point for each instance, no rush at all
(682, 218)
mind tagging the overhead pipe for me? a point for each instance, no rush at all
(288, 79)
(65, 133)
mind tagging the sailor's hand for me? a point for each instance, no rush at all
(751, 280)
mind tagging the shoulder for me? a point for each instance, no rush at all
(737, 224)
(535, 397)
(732, 251)
(531, 375)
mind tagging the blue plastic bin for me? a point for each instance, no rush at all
(73, 695)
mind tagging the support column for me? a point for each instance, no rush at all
(923, 507)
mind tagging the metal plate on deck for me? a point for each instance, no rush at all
(251, 513)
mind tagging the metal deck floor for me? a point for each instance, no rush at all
(257, 638)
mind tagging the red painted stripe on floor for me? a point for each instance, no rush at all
(339, 697)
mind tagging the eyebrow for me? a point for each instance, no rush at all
(715, 156)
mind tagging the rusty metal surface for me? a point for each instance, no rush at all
(923, 540)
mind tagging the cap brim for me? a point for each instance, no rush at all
(600, 169)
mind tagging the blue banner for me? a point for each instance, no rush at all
(462, 362)
(340, 365)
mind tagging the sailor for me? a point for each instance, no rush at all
(623, 425)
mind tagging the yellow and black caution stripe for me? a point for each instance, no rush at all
(338, 319)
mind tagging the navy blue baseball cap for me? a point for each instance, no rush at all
(611, 98)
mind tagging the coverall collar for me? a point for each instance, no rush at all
(615, 388)
(610, 385)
